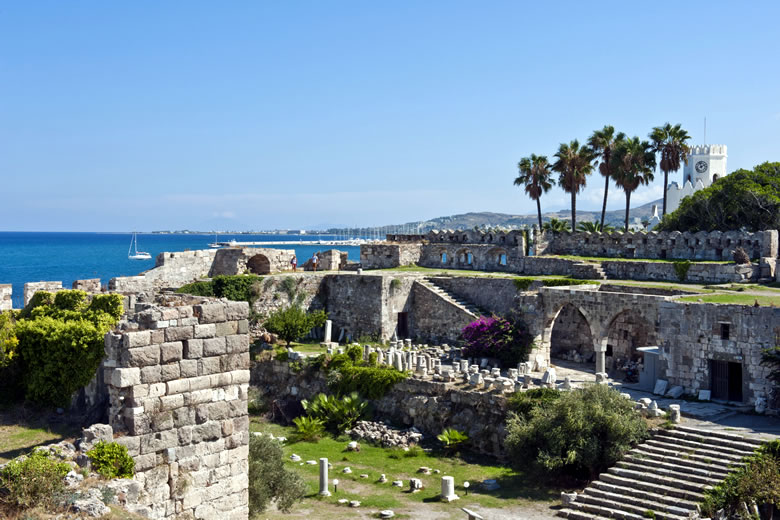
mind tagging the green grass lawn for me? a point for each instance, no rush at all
(21, 430)
(516, 489)
(734, 298)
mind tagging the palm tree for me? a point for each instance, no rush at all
(594, 227)
(603, 142)
(634, 161)
(535, 175)
(574, 166)
(670, 142)
(557, 226)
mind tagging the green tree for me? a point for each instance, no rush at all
(580, 434)
(574, 164)
(604, 142)
(292, 322)
(594, 227)
(744, 199)
(535, 175)
(671, 143)
(633, 164)
(268, 478)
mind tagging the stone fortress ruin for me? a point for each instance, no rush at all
(177, 371)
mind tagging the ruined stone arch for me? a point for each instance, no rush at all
(626, 332)
(464, 257)
(570, 333)
(259, 264)
(498, 257)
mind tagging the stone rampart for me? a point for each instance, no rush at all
(698, 272)
(714, 245)
(388, 255)
(6, 297)
(178, 378)
(30, 288)
(496, 295)
(428, 406)
(91, 285)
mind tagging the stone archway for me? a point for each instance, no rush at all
(259, 264)
(627, 332)
(464, 258)
(497, 257)
(570, 337)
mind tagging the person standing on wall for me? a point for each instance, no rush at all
(314, 260)
(294, 263)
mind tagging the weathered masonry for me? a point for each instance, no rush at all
(178, 377)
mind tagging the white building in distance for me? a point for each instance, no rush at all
(706, 164)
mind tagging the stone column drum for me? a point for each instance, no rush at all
(324, 478)
(448, 489)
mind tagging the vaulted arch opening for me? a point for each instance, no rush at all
(259, 264)
(571, 338)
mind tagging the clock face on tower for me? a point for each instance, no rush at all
(701, 166)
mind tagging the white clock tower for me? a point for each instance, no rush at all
(706, 164)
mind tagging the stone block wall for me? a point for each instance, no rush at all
(699, 272)
(177, 380)
(6, 295)
(256, 260)
(30, 288)
(388, 255)
(354, 303)
(497, 295)
(91, 285)
(274, 296)
(715, 245)
(482, 257)
(436, 320)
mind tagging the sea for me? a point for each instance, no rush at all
(42, 256)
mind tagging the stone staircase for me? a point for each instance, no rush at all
(454, 299)
(587, 271)
(666, 475)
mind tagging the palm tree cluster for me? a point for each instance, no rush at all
(628, 161)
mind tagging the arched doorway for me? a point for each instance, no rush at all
(571, 338)
(627, 332)
(259, 264)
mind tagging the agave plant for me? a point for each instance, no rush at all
(338, 415)
(452, 438)
(309, 428)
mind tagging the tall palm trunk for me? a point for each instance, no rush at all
(539, 211)
(573, 210)
(604, 206)
(666, 183)
(628, 202)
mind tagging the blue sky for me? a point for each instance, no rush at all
(260, 115)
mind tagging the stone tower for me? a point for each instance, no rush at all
(705, 165)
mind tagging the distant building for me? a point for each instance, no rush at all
(705, 165)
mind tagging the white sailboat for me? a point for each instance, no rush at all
(133, 253)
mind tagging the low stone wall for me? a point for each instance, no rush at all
(91, 285)
(256, 260)
(541, 265)
(698, 272)
(388, 255)
(6, 297)
(178, 378)
(30, 288)
(428, 406)
(715, 245)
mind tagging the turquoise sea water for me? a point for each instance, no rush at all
(33, 257)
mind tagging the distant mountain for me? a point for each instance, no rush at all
(485, 218)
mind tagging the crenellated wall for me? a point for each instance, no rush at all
(91, 285)
(6, 297)
(389, 254)
(177, 380)
(30, 288)
(714, 245)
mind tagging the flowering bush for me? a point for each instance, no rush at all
(496, 337)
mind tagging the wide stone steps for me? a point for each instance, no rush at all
(587, 271)
(664, 477)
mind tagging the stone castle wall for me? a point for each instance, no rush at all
(254, 260)
(6, 297)
(30, 288)
(387, 255)
(436, 320)
(496, 295)
(698, 272)
(715, 245)
(178, 378)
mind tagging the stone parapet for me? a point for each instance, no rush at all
(6, 297)
(30, 288)
(91, 285)
(177, 378)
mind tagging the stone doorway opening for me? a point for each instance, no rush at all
(726, 380)
(259, 264)
(571, 338)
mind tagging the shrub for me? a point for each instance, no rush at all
(111, 460)
(268, 478)
(34, 479)
(681, 268)
(256, 405)
(741, 257)
(522, 403)
(197, 289)
(292, 322)
(496, 337)
(580, 434)
(237, 288)
(8, 340)
(309, 428)
(395, 284)
(757, 481)
(60, 349)
(452, 438)
(370, 382)
(355, 353)
(373, 359)
(338, 415)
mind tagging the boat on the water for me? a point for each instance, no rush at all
(133, 253)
